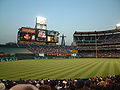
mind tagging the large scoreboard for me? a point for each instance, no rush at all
(39, 36)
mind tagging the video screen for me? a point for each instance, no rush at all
(52, 39)
(41, 35)
(27, 37)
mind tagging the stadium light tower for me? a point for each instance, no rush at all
(63, 39)
(96, 47)
(41, 23)
(118, 26)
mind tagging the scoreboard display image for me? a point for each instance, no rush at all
(27, 37)
(26, 34)
(41, 33)
(41, 36)
(52, 39)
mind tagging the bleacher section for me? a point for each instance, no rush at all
(98, 44)
(33, 51)
(47, 49)
(13, 51)
(100, 37)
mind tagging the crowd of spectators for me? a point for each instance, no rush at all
(109, 53)
(3, 54)
(99, 47)
(114, 38)
(100, 53)
(110, 38)
(57, 50)
(98, 83)
(51, 49)
(86, 47)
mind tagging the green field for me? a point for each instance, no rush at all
(59, 68)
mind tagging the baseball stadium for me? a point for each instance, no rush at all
(91, 62)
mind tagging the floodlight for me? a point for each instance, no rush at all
(118, 25)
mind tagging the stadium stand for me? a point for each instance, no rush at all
(50, 49)
(14, 50)
(99, 37)
(34, 51)
(98, 83)
(98, 44)
(87, 44)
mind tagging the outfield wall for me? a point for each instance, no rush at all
(40, 57)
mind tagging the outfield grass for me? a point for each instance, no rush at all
(59, 68)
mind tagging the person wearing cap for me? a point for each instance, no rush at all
(24, 87)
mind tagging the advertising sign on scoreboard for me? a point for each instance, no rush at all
(41, 23)
(41, 20)
(54, 33)
(28, 30)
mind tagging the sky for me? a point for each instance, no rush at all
(65, 16)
